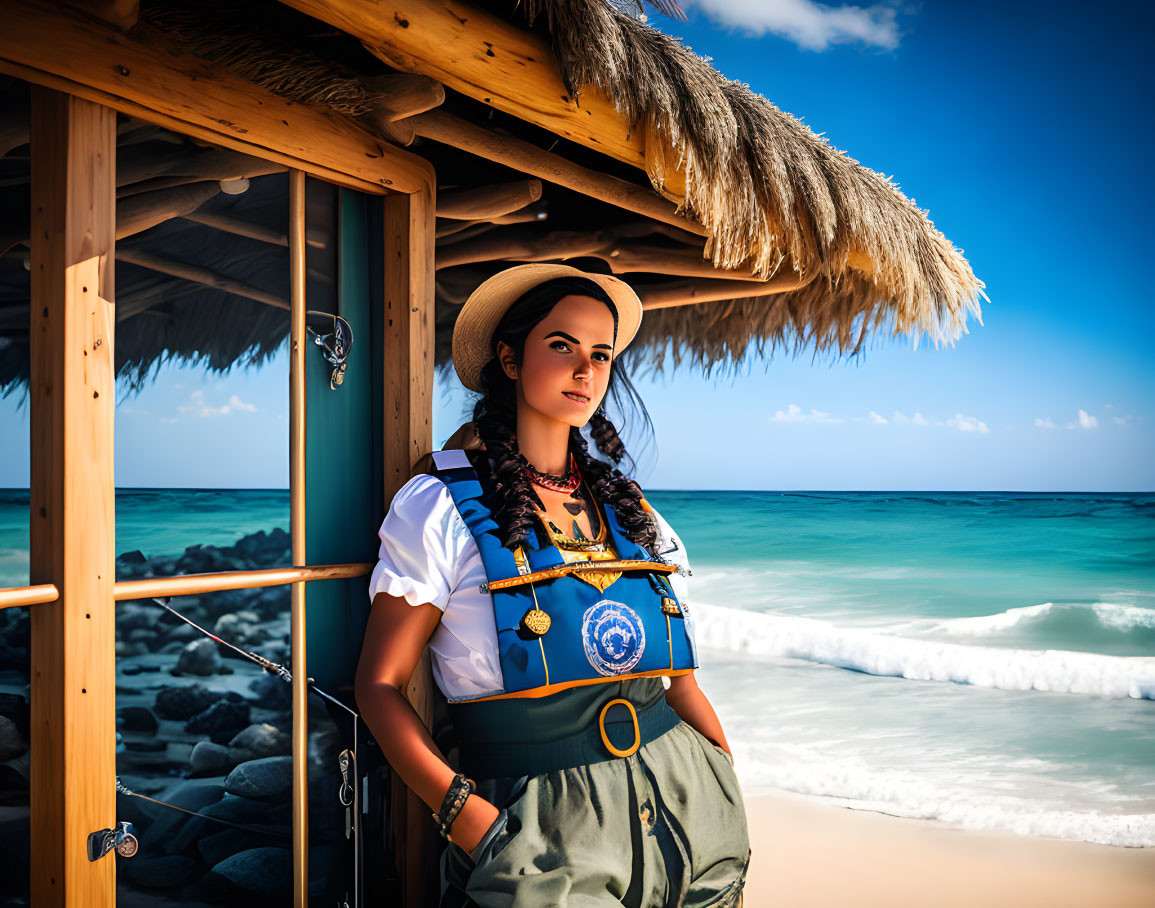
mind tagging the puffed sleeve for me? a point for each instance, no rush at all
(422, 539)
(671, 549)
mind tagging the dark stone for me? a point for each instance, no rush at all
(256, 872)
(136, 718)
(236, 809)
(135, 668)
(271, 692)
(166, 872)
(210, 759)
(262, 779)
(12, 743)
(261, 740)
(200, 657)
(222, 720)
(184, 702)
(136, 556)
(215, 848)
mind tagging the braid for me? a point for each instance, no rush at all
(605, 436)
(511, 497)
(608, 485)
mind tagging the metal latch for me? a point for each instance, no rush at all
(121, 838)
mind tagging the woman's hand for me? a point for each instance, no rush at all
(472, 823)
(690, 703)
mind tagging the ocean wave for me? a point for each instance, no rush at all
(1109, 615)
(1056, 671)
(852, 783)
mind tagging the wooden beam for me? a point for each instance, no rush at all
(73, 736)
(691, 292)
(121, 14)
(140, 212)
(408, 428)
(405, 94)
(487, 59)
(149, 77)
(485, 202)
(239, 227)
(200, 275)
(528, 158)
(522, 247)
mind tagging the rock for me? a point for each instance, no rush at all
(165, 872)
(12, 743)
(136, 718)
(261, 740)
(183, 633)
(209, 759)
(237, 809)
(271, 692)
(136, 556)
(134, 668)
(199, 658)
(256, 872)
(184, 702)
(261, 779)
(222, 720)
(191, 794)
(215, 848)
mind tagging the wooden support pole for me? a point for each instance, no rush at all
(528, 158)
(297, 416)
(408, 427)
(488, 201)
(201, 276)
(73, 772)
(691, 292)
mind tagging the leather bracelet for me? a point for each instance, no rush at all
(455, 797)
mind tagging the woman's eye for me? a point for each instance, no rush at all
(602, 357)
(559, 345)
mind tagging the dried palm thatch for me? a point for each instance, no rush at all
(770, 192)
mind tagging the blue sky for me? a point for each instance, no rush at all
(1018, 126)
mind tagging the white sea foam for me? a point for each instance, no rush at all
(851, 782)
(1124, 617)
(1057, 671)
(1110, 615)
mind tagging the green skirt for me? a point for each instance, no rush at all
(665, 826)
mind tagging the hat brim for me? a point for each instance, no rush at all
(473, 332)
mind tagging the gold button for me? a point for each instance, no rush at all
(535, 621)
(670, 607)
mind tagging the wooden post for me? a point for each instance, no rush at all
(73, 146)
(298, 636)
(408, 426)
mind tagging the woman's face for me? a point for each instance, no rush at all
(565, 368)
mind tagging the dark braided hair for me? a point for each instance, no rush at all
(510, 495)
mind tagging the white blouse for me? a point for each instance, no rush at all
(427, 554)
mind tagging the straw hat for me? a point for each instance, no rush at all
(473, 333)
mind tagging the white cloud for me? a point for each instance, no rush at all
(814, 26)
(197, 406)
(919, 420)
(793, 413)
(169, 419)
(1047, 423)
(967, 424)
(237, 404)
(875, 418)
(1123, 420)
(1086, 421)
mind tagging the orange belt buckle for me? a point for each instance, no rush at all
(605, 738)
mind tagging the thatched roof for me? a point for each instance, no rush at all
(773, 198)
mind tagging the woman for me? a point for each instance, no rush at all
(550, 595)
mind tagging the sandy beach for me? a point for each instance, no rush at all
(812, 855)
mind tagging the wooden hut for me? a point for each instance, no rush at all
(237, 172)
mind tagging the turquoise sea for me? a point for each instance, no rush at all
(983, 659)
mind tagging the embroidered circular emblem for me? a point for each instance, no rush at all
(613, 637)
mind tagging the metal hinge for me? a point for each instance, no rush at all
(121, 838)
